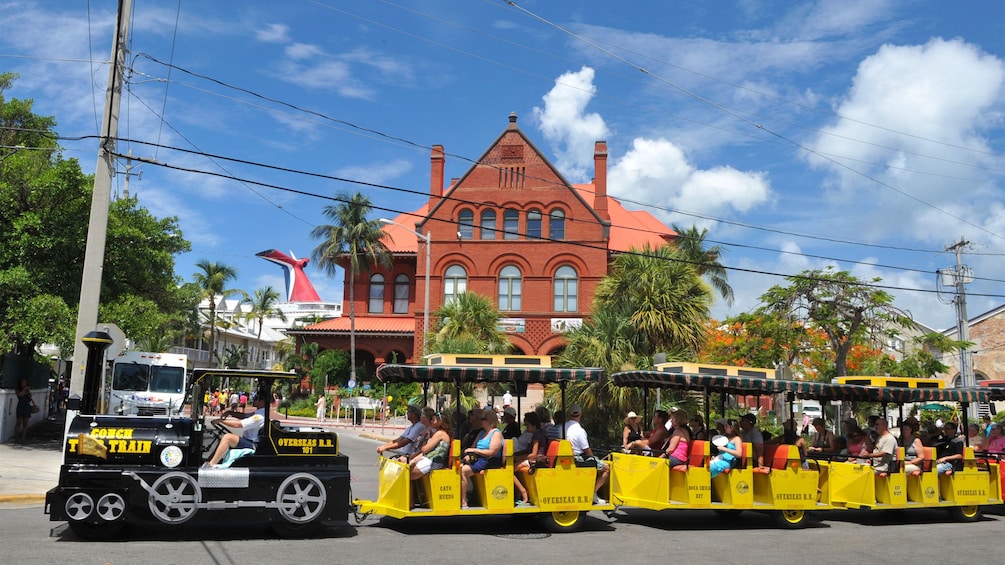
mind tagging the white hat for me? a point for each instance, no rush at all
(720, 441)
(630, 415)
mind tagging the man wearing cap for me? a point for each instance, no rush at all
(750, 434)
(510, 428)
(581, 449)
(406, 442)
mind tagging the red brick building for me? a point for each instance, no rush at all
(512, 229)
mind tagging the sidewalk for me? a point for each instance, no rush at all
(29, 470)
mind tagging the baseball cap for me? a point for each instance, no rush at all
(575, 410)
(750, 418)
(510, 410)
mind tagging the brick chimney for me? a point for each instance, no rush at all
(600, 180)
(435, 175)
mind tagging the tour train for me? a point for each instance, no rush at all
(119, 468)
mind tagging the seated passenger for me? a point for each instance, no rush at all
(976, 438)
(996, 440)
(951, 456)
(841, 448)
(474, 428)
(582, 453)
(658, 439)
(487, 452)
(885, 454)
(535, 454)
(858, 442)
(680, 439)
(249, 427)
(698, 431)
(432, 454)
(631, 433)
(914, 451)
(750, 434)
(406, 442)
(726, 458)
(551, 431)
(824, 439)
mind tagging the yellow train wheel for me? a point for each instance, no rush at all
(792, 519)
(965, 513)
(561, 522)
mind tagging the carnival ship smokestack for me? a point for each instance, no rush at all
(96, 343)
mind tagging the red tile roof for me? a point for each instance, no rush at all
(629, 228)
(367, 324)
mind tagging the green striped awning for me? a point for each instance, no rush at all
(804, 389)
(392, 373)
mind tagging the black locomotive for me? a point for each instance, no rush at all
(117, 469)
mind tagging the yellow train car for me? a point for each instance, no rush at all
(559, 493)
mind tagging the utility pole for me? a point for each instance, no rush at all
(97, 228)
(961, 276)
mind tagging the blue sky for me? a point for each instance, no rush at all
(868, 135)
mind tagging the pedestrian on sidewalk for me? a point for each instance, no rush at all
(321, 404)
(23, 410)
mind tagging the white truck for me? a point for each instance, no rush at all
(148, 384)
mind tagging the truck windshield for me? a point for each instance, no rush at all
(167, 379)
(131, 376)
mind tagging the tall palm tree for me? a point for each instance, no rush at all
(264, 305)
(356, 240)
(213, 279)
(691, 244)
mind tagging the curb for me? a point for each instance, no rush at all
(22, 498)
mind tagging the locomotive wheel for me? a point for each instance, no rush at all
(79, 506)
(562, 522)
(92, 532)
(301, 499)
(174, 498)
(111, 507)
(965, 513)
(792, 519)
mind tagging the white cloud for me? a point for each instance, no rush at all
(571, 132)
(377, 173)
(914, 119)
(657, 171)
(273, 33)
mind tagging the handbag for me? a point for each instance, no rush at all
(34, 407)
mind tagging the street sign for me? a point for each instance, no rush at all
(352, 383)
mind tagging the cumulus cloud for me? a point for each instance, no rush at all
(657, 172)
(914, 119)
(567, 127)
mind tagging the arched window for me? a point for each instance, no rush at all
(556, 224)
(401, 288)
(376, 294)
(533, 224)
(466, 224)
(455, 281)
(510, 288)
(566, 289)
(488, 224)
(511, 224)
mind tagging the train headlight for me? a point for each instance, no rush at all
(171, 456)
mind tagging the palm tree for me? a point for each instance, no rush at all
(469, 324)
(212, 280)
(264, 305)
(663, 298)
(356, 239)
(691, 244)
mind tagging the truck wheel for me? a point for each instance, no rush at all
(562, 522)
(301, 501)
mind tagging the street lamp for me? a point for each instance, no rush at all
(425, 311)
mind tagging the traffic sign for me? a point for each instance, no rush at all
(352, 383)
